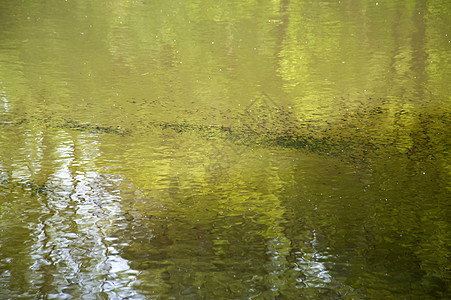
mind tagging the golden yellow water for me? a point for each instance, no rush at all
(225, 149)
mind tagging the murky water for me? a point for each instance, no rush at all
(225, 149)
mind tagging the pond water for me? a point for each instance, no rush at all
(225, 149)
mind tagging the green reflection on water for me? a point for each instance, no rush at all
(224, 149)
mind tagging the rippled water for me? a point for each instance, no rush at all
(224, 150)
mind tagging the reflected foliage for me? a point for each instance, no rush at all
(231, 149)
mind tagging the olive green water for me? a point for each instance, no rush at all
(225, 149)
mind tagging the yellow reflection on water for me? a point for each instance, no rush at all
(221, 149)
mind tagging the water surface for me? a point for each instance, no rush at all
(225, 149)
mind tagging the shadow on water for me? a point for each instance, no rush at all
(264, 123)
